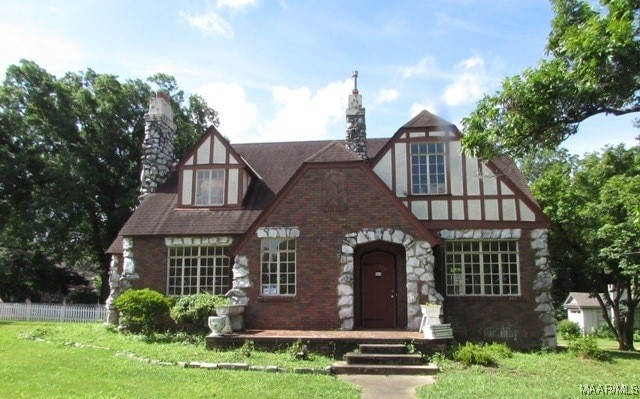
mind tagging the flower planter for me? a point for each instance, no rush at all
(229, 310)
(431, 311)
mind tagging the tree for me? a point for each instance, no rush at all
(593, 68)
(594, 239)
(70, 160)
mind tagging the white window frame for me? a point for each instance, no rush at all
(425, 156)
(210, 187)
(278, 267)
(482, 268)
(197, 268)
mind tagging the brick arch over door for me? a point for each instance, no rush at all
(419, 267)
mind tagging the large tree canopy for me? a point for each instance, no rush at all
(594, 239)
(593, 68)
(70, 163)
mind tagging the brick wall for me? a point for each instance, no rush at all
(511, 320)
(150, 254)
(321, 235)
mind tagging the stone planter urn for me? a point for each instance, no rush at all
(217, 325)
(431, 311)
(229, 310)
(233, 313)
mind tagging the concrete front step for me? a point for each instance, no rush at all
(383, 348)
(342, 367)
(355, 358)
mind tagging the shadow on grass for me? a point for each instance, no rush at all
(627, 355)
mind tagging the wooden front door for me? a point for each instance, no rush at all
(378, 290)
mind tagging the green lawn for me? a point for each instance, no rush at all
(537, 375)
(47, 360)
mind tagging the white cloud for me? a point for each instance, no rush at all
(301, 115)
(237, 115)
(425, 67)
(237, 5)
(210, 22)
(468, 82)
(387, 96)
(19, 42)
(416, 108)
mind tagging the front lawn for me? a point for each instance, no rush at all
(538, 375)
(49, 360)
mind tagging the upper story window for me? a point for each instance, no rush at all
(482, 267)
(428, 172)
(210, 187)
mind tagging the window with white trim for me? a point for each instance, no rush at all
(194, 269)
(482, 267)
(278, 266)
(428, 168)
(210, 187)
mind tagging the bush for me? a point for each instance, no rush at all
(586, 347)
(194, 309)
(469, 354)
(605, 332)
(568, 329)
(142, 308)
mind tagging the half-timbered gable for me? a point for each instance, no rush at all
(212, 174)
(424, 166)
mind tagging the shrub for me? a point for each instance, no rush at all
(586, 346)
(194, 309)
(568, 329)
(142, 308)
(604, 332)
(469, 354)
(498, 350)
(636, 336)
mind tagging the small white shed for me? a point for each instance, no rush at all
(584, 309)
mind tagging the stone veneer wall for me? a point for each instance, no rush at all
(543, 282)
(542, 286)
(419, 266)
(158, 159)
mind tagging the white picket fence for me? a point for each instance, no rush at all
(52, 312)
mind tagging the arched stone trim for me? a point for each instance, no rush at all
(419, 267)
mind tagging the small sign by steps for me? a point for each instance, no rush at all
(383, 359)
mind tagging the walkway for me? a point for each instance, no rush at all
(385, 387)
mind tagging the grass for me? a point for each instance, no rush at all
(48, 360)
(534, 375)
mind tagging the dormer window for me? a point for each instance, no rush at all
(210, 187)
(428, 171)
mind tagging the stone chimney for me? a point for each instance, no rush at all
(157, 149)
(356, 126)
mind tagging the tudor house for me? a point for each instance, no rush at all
(346, 234)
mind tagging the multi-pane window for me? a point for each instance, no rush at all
(278, 266)
(482, 267)
(196, 269)
(210, 187)
(428, 172)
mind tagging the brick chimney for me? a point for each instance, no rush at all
(157, 149)
(356, 125)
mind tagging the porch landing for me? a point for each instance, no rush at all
(329, 342)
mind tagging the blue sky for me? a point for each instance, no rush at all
(279, 70)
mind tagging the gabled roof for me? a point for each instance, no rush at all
(426, 120)
(275, 163)
(581, 300)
